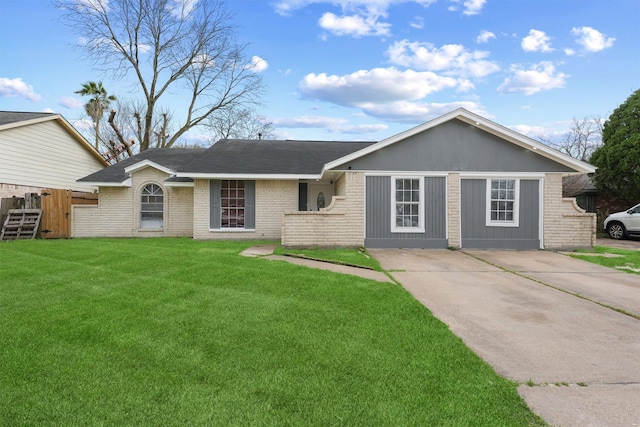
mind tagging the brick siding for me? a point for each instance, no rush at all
(566, 225)
(453, 210)
(273, 199)
(118, 211)
(341, 224)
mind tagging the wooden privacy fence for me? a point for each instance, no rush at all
(55, 204)
(56, 211)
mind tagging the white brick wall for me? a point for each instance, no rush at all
(273, 199)
(453, 210)
(566, 225)
(118, 211)
(339, 224)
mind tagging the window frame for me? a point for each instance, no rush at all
(242, 208)
(515, 222)
(421, 220)
(150, 224)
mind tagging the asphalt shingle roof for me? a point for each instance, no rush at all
(7, 117)
(171, 158)
(238, 156)
(266, 157)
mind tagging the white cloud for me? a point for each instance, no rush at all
(71, 102)
(92, 5)
(16, 88)
(530, 131)
(569, 52)
(452, 58)
(257, 64)
(591, 39)
(332, 124)
(197, 138)
(541, 76)
(536, 41)
(182, 8)
(417, 22)
(473, 7)
(361, 129)
(485, 36)
(358, 18)
(286, 7)
(470, 7)
(379, 85)
(355, 25)
(82, 125)
(308, 122)
(418, 112)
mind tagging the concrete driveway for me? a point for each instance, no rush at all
(538, 317)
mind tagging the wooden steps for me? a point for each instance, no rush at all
(21, 224)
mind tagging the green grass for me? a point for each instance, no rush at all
(628, 260)
(178, 332)
(347, 256)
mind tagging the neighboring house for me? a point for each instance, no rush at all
(457, 181)
(583, 189)
(42, 150)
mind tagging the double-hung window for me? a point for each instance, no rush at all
(407, 204)
(151, 207)
(502, 202)
(232, 202)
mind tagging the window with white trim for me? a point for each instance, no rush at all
(232, 206)
(502, 202)
(151, 207)
(407, 204)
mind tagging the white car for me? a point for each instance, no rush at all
(621, 225)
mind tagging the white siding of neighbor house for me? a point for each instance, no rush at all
(44, 155)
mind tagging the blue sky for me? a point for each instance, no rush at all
(368, 69)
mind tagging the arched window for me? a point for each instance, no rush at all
(151, 206)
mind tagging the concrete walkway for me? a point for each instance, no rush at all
(266, 251)
(518, 310)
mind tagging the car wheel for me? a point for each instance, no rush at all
(616, 231)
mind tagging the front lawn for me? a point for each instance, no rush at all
(622, 259)
(178, 332)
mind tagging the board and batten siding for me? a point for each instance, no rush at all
(44, 155)
(477, 235)
(378, 215)
(455, 147)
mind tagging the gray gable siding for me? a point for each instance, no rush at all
(475, 233)
(378, 216)
(455, 146)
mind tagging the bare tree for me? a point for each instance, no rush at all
(179, 46)
(584, 137)
(239, 123)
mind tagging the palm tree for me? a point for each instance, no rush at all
(97, 105)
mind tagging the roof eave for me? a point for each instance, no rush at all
(125, 183)
(203, 175)
(148, 163)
